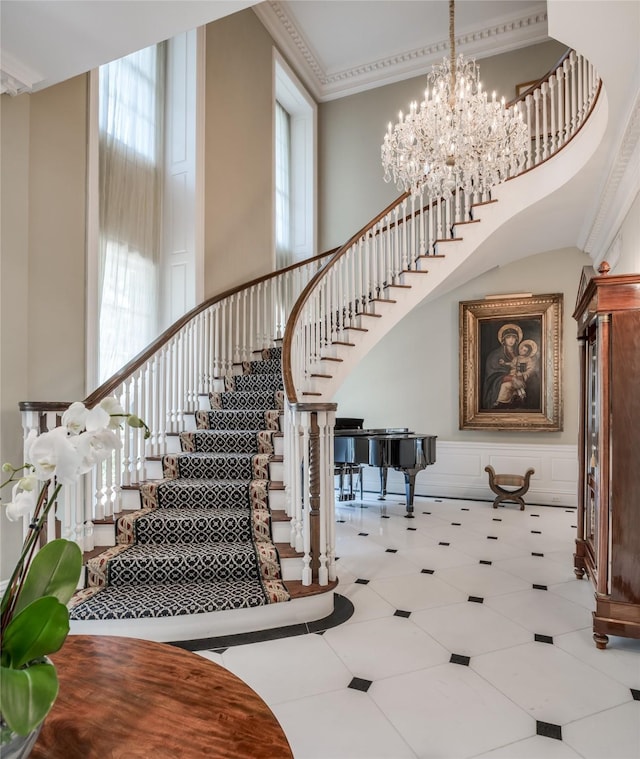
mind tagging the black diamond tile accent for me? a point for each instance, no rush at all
(427, 571)
(575, 526)
(218, 650)
(539, 587)
(360, 581)
(359, 683)
(437, 500)
(391, 550)
(442, 543)
(543, 638)
(401, 613)
(549, 730)
(385, 516)
(412, 529)
(534, 515)
(320, 632)
(456, 524)
(464, 509)
(340, 521)
(497, 519)
(492, 537)
(426, 512)
(569, 511)
(635, 693)
(485, 561)
(476, 599)
(364, 534)
(460, 659)
(536, 532)
(535, 553)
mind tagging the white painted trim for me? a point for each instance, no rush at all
(213, 624)
(92, 234)
(199, 210)
(459, 472)
(303, 110)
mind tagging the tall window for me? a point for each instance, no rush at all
(131, 92)
(295, 167)
(284, 253)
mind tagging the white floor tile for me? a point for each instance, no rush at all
(289, 668)
(622, 664)
(537, 747)
(367, 604)
(449, 711)
(531, 569)
(612, 734)
(450, 626)
(548, 683)
(385, 647)
(541, 611)
(482, 580)
(345, 724)
(416, 591)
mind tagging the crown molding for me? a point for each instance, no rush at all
(620, 190)
(500, 37)
(15, 77)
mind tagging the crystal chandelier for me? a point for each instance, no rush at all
(457, 137)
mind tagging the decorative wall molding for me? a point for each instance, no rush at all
(620, 190)
(15, 77)
(459, 472)
(500, 37)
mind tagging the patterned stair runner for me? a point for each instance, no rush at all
(202, 539)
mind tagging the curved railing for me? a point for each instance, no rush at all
(404, 236)
(163, 384)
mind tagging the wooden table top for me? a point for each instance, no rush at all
(123, 697)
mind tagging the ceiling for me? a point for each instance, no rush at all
(338, 46)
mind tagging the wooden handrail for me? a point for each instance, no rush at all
(128, 369)
(545, 77)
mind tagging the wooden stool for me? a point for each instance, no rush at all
(498, 482)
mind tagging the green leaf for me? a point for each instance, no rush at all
(54, 571)
(38, 630)
(27, 695)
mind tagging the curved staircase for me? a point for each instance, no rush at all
(233, 534)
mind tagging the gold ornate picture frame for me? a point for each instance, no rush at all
(511, 363)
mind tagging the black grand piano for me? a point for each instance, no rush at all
(386, 448)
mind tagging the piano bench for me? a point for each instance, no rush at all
(349, 470)
(509, 487)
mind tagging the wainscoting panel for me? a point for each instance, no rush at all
(459, 472)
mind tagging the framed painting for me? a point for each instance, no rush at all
(511, 363)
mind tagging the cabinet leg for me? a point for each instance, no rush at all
(601, 640)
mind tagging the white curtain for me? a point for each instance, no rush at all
(131, 96)
(284, 252)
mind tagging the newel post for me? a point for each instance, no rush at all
(312, 427)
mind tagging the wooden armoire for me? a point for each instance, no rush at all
(608, 539)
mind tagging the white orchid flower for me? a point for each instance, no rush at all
(116, 413)
(53, 455)
(22, 503)
(97, 419)
(28, 483)
(95, 446)
(75, 418)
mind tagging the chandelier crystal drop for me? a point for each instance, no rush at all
(457, 137)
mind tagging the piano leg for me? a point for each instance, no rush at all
(410, 489)
(383, 483)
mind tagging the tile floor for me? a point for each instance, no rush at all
(470, 637)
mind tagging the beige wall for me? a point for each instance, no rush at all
(238, 152)
(352, 189)
(42, 260)
(410, 378)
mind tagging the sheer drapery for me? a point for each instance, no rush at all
(131, 97)
(284, 252)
